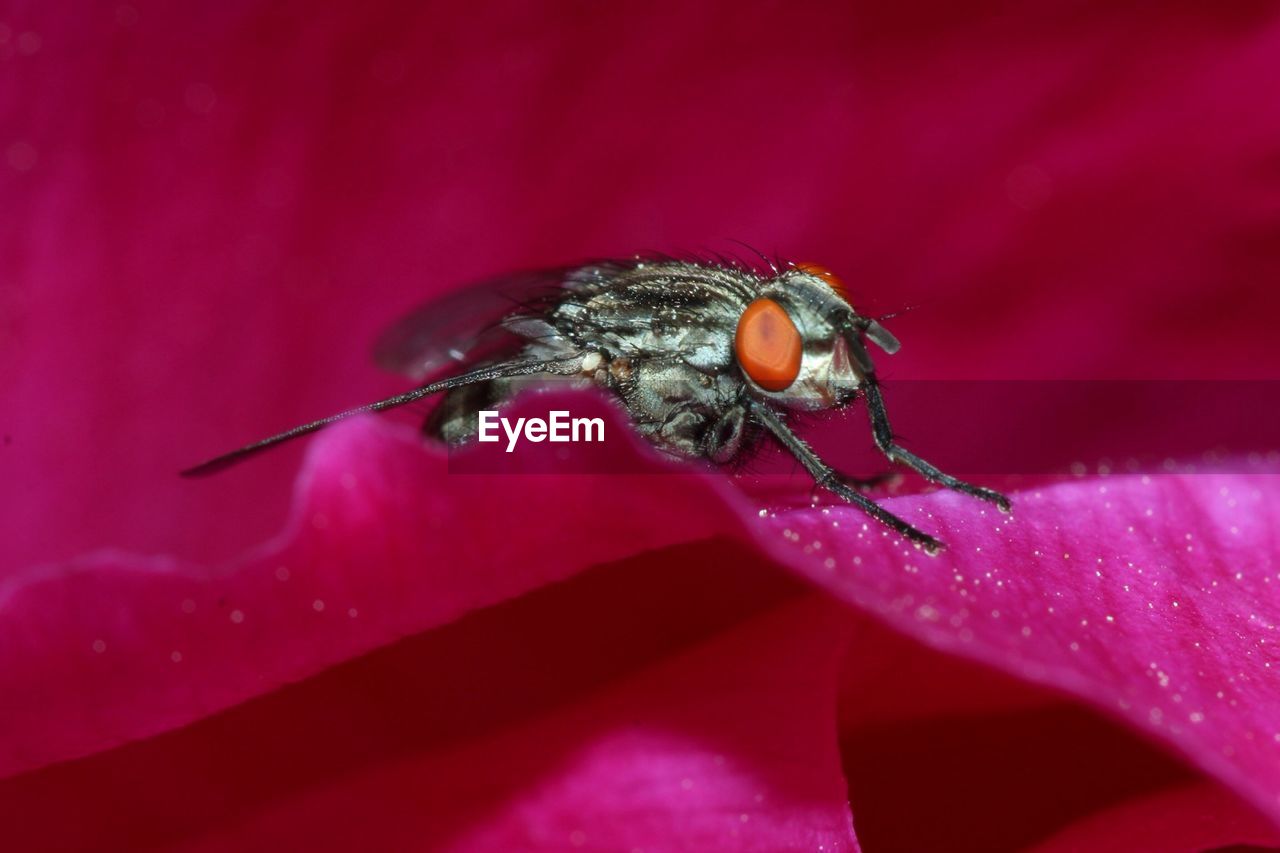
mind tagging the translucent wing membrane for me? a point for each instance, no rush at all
(464, 326)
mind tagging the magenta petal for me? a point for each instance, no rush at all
(634, 705)
(382, 543)
(729, 745)
(1149, 598)
(1191, 818)
(1155, 599)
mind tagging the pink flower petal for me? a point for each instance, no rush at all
(945, 753)
(1190, 818)
(1154, 599)
(382, 543)
(635, 706)
(726, 747)
(381, 530)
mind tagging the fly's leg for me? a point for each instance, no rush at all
(826, 477)
(884, 440)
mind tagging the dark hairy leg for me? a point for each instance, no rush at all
(826, 477)
(884, 440)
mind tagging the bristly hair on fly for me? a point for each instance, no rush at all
(705, 353)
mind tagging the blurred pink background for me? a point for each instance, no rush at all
(210, 211)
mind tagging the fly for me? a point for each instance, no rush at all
(704, 355)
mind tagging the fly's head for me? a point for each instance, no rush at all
(802, 345)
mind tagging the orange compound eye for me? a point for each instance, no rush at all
(828, 276)
(768, 345)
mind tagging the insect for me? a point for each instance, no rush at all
(706, 356)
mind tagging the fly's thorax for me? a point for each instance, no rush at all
(656, 310)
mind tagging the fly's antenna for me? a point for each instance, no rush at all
(482, 374)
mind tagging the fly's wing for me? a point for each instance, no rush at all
(467, 325)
